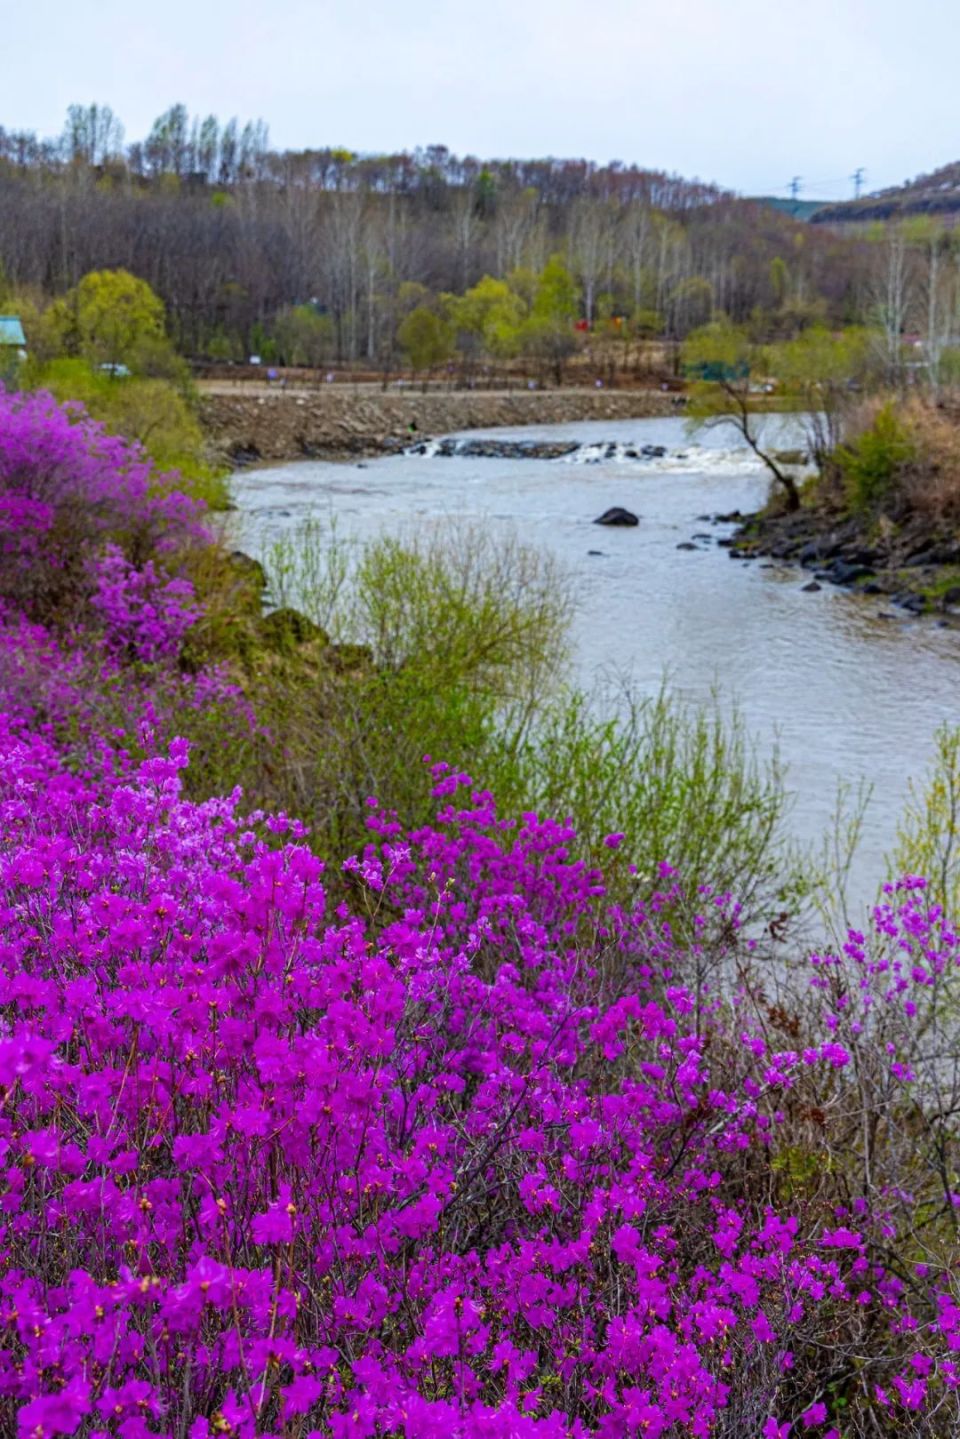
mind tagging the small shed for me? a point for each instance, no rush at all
(13, 348)
(11, 333)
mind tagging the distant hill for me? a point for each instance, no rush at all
(796, 209)
(935, 194)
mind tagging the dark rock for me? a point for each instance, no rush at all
(708, 538)
(616, 515)
(812, 588)
(689, 545)
(916, 561)
(284, 629)
(842, 573)
(491, 449)
(809, 553)
(913, 604)
(885, 615)
(872, 588)
(725, 541)
(595, 552)
(242, 455)
(951, 596)
(251, 569)
(733, 518)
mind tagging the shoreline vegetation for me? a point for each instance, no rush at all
(882, 515)
(370, 1104)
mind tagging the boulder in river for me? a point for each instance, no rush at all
(616, 515)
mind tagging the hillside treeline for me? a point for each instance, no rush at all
(234, 235)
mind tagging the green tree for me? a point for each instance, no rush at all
(488, 319)
(304, 336)
(549, 330)
(107, 316)
(719, 359)
(779, 280)
(821, 373)
(425, 339)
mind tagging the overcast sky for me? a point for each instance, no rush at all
(745, 92)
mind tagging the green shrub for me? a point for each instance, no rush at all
(871, 464)
(464, 644)
(154, 411)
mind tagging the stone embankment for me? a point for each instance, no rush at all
(253, 425)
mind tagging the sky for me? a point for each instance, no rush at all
(747, 93)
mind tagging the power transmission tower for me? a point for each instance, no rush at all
(857, 178)
(795, 185)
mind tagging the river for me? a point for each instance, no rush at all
(843, 690)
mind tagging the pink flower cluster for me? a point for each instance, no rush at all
(93, 607)
(145, 615)
(269, 1171)
(473, 1154)
(66, 489)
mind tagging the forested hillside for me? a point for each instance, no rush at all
(322, 254)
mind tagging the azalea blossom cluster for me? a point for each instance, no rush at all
(412, 1167)
(470, 1152)
(93, 602)
(66, 488)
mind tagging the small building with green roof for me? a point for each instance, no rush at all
(11, 332)
(13, 346)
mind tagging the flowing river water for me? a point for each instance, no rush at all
(846, 689)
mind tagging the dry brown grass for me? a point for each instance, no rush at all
(931, 484)
(925, 478)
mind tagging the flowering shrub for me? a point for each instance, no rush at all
(66, 488)
(145, 614)
(471, 1152)
(442, 1169)
(94, 608)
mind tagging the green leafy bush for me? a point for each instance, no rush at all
(870, 464)
(153, 411)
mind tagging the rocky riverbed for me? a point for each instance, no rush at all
(914, 565)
